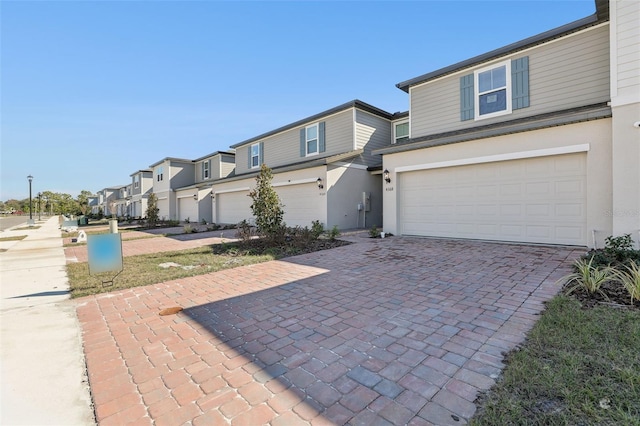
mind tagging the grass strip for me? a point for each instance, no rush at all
(14, 238)
(144, 270)
(578, 366)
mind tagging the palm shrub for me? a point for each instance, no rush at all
(629, 277)
(588, 277)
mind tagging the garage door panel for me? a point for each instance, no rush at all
(188, 209)
(302, 204)
(233, 207)
(531, 200)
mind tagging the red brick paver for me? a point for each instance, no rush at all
(391, 331)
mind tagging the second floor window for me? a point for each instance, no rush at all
(136, 181)
(312, 139)
(255, 155)
(159, 174)
(205, 170)
(493, 91)
(401, 132)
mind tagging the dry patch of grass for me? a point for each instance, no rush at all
(26, 228)
(144, 269)
(14, 238)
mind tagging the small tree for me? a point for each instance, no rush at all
(266, 206)
(152, 209)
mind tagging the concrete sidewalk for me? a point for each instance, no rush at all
(42, 367)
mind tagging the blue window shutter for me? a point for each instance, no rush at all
(322, 146)
(261, 156)
(466, 97)
(520, 83)
(303, 142)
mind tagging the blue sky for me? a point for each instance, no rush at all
(94, 91)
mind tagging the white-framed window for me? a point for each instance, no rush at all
(136, 181)
(311, 139)
(205, 170)
(255, 155)
(492, 90)
(401, 131)
(159, 174)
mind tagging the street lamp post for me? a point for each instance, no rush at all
(39, 204)
(30, 201)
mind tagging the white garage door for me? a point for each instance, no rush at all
(233, 207)
(302, 203)
(540, 200)
(163, 209)
(188, 209)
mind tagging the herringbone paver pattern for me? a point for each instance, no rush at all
(385, 332)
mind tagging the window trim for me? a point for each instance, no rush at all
(255, 156)
(508, 91)
(206, 170)
(395, 125)
(160, 174)
(307, 140)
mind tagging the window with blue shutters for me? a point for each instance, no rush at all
(492, 95)
(312, 140)
(254, 156)
(495, 90)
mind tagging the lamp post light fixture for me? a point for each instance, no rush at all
(387, 178)
(30, 201)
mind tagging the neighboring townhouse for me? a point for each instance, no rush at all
(94, 204)
(122, 201)
(194, 201)
(533, 142)
(170, 174)
(320, 169)
(107, 199)
(141, 187)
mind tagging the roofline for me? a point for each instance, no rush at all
(526, 124)
(181, 160)
(213, 154)
(601, 14)
(352, 104)
(316, 162)
(141, 171)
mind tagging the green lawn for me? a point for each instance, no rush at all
(144, 270)
(577, 367)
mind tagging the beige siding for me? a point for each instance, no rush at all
(227, 165)
(284, 148)
(563, 74)
(627, 54)
(182, 174)
(372, 132)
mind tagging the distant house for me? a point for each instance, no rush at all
(533, 142)
(170, 174)
(107, 199)
(320, 168)
(141, 187)
(193, 202)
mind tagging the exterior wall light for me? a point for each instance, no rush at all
(195, 197)
(319, 182)
(213, 196)
(387, 178)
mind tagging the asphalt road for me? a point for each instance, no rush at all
(7, 222)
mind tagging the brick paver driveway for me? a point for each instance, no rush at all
(392, 331)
